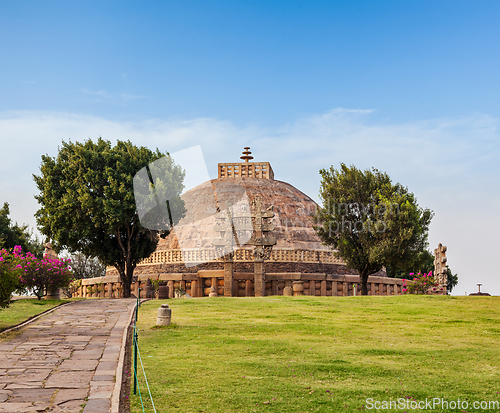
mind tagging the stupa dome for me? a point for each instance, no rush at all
(247, 234)
(292, 213)
(189, 247)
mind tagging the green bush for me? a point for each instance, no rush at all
(10, 271)
(421, 284)
(42, 276)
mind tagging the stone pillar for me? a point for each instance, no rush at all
(199, 286)
(323, 288)
(263, 243)
(194, 288)
(335, 290)
(298, 288)
(259, 278)
(170, 285)
(215, 286)
(345, 289)
(248, 288)
(228, 275)
(312, 288)
(274, 287)
(440, 269)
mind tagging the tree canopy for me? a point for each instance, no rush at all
(370, 221)
(88, 204)
(12, 234)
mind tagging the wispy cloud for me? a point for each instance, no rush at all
(127, 97)
(101, 93)
(124, 97)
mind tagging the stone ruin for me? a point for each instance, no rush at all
(282, 254)
(440, 268)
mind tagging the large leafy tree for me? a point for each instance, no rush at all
(370, 221)
(12, 234)
(10, 273)
(403, 242)
(88, 204)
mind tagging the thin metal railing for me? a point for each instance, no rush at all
(137, 355)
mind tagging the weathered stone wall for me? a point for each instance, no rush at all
(305, 267)
(198, 284)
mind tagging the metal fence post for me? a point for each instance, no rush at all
(135, 341)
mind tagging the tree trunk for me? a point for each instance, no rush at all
(126, 288)
(126, 269)
(125, 279)
(129, 274)
(364, 283)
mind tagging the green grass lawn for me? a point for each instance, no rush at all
(319, 354)
(22, 310)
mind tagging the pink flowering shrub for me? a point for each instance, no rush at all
(420, 284)
(44, 275)
(10, 272)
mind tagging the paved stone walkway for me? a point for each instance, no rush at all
(65, 359)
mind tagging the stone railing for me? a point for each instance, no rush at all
(199, 255)
(261, 170)
(199, 284)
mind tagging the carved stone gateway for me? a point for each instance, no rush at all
(263, 243)
(440, 269)
(224, 246)
(231, 225)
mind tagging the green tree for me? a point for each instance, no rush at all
(403, 242)
(88, 205)
(10, 273)
(11, 234)
(370, 221)
(452, 280)
(84, 266)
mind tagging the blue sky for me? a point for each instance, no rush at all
(409, 87)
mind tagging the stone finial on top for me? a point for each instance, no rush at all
(246, 169)
(246, 154)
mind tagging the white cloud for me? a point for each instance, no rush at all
(450, 164)
(127, 97)
(101, 93)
